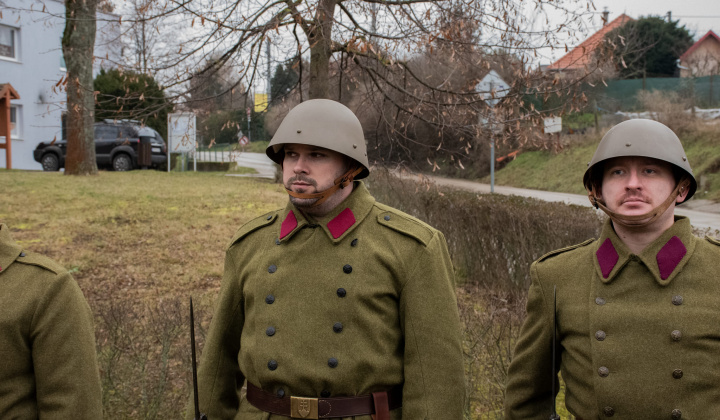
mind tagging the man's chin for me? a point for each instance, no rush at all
(302, 202)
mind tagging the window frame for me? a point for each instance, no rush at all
(14, 34)
(16, 126)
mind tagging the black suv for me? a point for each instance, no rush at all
(116, 145)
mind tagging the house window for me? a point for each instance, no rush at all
(63, 66)
(8, 42)
(15, 121)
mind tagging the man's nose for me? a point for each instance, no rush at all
(300, 165)
(634, 180)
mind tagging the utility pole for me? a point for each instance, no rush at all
(669, 16)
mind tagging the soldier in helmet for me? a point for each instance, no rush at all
(335, 306)
(636, 313)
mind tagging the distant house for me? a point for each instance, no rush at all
(31, 60)
(580, 57)
(702, 58)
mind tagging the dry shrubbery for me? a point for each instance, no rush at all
(667, 107)
(492, 238)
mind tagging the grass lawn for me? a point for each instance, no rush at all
(563, 171)
(139, 244)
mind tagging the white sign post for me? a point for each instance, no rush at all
(492, 89)
(181, 135)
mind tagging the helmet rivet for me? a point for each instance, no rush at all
(684, 158)
(627, 145)
(354, 146)
(299, 131)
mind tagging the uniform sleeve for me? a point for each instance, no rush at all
(64, 356)
(219, 376)
(528, 394)
(433, 361)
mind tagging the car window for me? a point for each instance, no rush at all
(105, 132)
(127, 132)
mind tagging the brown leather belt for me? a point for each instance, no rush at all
(323, 408)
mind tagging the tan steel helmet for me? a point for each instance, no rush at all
(640, 137)
(324, 123)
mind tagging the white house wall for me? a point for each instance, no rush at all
(39, 26)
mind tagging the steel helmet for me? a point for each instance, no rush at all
(640, 137)
(324, 123)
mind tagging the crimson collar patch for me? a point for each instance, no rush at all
(341, 223)
(670, 256)
(288, 225)
(607, 257)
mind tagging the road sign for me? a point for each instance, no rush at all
(553, 125)
(492, 88)
(181, 132)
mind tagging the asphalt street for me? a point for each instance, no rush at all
(702, 214)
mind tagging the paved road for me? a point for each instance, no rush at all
(259, 161)
(700, 219)
(707, 219)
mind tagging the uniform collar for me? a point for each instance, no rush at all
(9, 250)
(337, 224)
(665, 257)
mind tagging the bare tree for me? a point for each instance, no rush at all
(78, 44)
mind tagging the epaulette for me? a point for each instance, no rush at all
(41, 261)
(405, 224)
(566, 249)
(712, 240)
(253, 225)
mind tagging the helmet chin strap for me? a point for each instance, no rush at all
(640, 220)
(343, 181)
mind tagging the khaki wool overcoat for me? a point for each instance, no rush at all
(48, 365)
(356, 302)
(638, 335)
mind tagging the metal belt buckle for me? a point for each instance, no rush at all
(303, 408)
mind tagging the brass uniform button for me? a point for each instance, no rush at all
(677, 300)
(677, 373)
(603, 371)
(676, 335)
(600, 335)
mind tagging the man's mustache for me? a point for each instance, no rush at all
(302, 178)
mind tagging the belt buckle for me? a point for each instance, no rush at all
(303, 408)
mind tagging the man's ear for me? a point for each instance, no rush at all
(684, 190)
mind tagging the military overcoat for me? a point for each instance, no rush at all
(638, 335)
(48, 367)
(356, 302)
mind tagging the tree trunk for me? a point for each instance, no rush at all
(320, 38)
(78, 44)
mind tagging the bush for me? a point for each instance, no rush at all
(492, 239)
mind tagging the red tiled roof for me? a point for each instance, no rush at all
(580, 56)
(694, 46)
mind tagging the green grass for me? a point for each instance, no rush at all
(563, 171)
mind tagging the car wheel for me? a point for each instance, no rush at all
(122, 162)
(50, 162)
